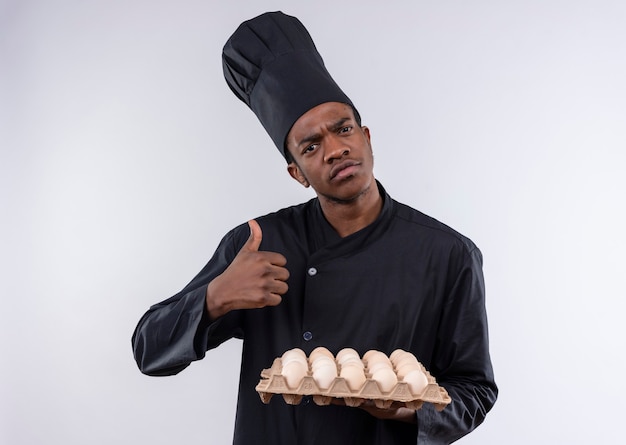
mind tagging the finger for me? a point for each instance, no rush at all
(279, 273)
(278, 287)
(274, 258)
(256, 235)
(274, 299)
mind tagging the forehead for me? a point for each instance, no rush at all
(318, 117)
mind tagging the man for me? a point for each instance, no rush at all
(350, 268)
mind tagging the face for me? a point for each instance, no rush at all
(331, 153)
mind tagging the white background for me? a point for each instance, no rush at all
(125, 158)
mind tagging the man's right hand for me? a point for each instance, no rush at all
(253, 280)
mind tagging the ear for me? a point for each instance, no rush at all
(366, 132)
(296, 173)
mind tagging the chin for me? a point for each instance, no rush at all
(349, 194)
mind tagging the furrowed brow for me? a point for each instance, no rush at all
(339, 124)
(308, 139)
(313, 137)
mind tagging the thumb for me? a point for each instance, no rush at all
(256, 235)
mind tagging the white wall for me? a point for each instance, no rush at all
(124, 158)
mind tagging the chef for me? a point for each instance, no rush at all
(351, 268)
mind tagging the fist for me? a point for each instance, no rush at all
(254, 279)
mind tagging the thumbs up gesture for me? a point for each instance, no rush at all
(254, 279)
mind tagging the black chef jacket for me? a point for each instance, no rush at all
(405, 281)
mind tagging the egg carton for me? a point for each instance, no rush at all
(273, 382)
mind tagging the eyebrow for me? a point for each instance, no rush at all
(316, 136)
(339, 124)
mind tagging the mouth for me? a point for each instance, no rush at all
(343, 169)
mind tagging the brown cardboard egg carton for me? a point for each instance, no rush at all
(273, 382)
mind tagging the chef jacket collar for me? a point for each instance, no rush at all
(326, 242)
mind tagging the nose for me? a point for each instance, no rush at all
(335, 149)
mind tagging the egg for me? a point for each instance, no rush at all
(324, 375)
(374, 367)
(294, 355)
(417, 381)
(323, 361)
(346, 353)
(295, 360)
(373, 353)
(375, 361)
(295, 352)
(405, 359)
(386, 379)
(320, 351)
(354, 375)
(395, 355)
(375, 356)
(294, 372)
(350, 360)
(406, 368)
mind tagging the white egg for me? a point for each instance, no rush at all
(404, 359)
(346, 353)
(377, 357)
(350, 360)
(295, 352)
(373, 353)
(406, 368)
(320, 351)
(417, 381)
(298, 360)
(324, 376)
(294, 372)
(354, 375)
(374, 367)
(395, 355)
(386, 379)
(323, 361)
(288, 358)
(377, 361)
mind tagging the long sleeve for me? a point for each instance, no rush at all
(461, 361)
(178, 331)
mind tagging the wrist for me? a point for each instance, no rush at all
(215, 308)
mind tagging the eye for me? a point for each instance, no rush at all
(345, 129)
(310, 148)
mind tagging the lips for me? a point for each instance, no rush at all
(339, 168)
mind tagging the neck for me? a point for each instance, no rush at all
(350, 216)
